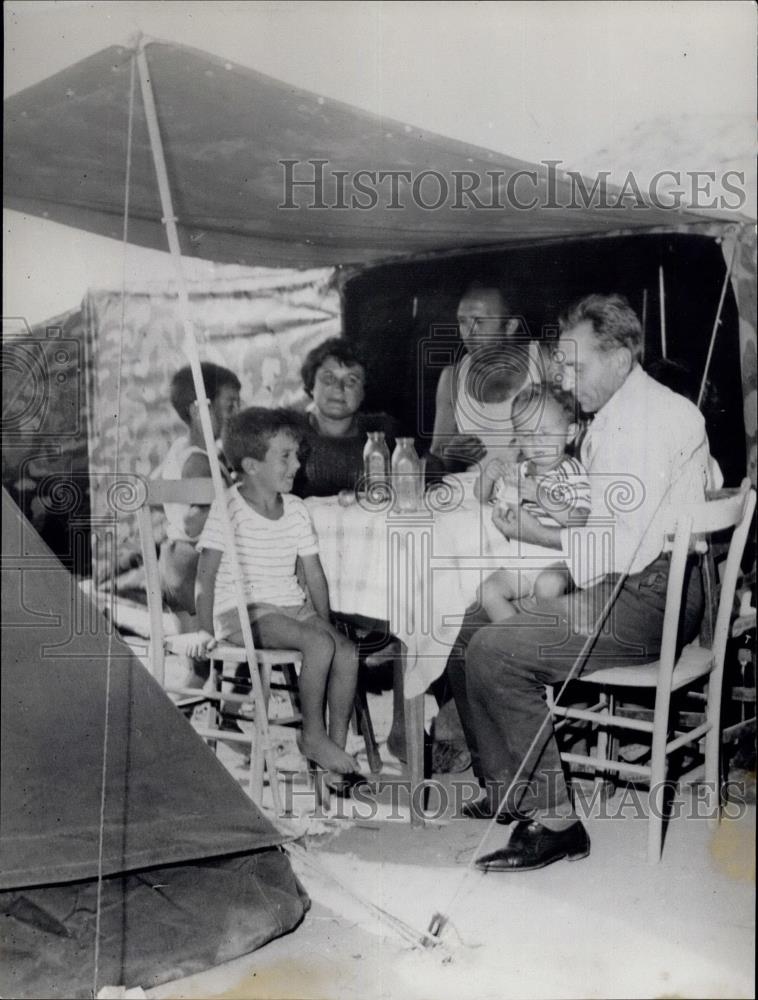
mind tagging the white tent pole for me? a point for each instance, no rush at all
(264, 754)
(662, 307)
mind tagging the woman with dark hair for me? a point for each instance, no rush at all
(334, 378)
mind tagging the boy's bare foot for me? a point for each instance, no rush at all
(328, 755)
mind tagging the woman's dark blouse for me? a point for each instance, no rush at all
(331, 464)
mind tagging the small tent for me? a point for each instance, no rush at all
(112, 808)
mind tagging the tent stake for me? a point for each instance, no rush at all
(264, 752)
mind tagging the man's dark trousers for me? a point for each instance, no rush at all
(508, 665)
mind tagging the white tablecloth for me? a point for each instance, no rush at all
(417, 571)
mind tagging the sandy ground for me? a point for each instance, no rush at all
(608, 926)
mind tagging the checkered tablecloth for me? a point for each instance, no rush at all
(417, 571)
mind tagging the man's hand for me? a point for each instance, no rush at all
(520, 524)
(496, 469)
(464, 448)
(529, 486)
(506, 520)
(196, 645)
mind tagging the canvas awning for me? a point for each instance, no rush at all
(226, 130)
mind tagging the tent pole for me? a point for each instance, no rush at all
(644, 320)
(716, 325)
(662, 309)
(264, 753)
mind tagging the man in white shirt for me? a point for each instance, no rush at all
(646, 451)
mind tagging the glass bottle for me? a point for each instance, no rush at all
(406, 470)
(376, 459)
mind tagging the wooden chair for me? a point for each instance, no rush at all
(696, 664)
(288, 661)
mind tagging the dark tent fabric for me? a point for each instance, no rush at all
(157, 925)
(167, 796)
(226, 130)
(168, 800)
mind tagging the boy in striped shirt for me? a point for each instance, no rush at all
(550, 484)
(273, 530)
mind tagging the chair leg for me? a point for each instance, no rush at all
(602, 747)
(214, 710)
(414, 746)
(361, 715)
(606, 749)
(713, 762)
(257, 767)
(365, 726)
(656, 798)
(414, 742)
(252, 777)
(321, 791)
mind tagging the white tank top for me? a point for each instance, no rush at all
(492, 421)
(171, 468)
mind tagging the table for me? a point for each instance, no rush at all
(419, 572)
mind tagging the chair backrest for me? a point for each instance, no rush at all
(159, 492)
(730, 509)
(189, 491)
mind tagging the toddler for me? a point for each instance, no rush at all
(550, 484)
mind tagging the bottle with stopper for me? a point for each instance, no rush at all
(407, 476)
(376, 460)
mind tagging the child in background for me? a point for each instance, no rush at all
(273, 531)
(551, 485)
(188, 459)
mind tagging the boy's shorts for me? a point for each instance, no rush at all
(227, 625)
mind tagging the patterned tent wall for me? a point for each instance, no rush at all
(260, 326)
(44, 431)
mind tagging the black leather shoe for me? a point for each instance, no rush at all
(534, 846)
(481, 809)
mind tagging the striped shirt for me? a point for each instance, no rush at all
(566, 488)
(267, 551)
